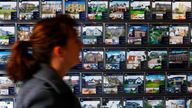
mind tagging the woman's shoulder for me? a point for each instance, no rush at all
(47, 87)
(41, 93)
(37, 85)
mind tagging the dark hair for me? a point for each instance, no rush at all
(46, 34)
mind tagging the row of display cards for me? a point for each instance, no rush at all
(97, 9)
(111, 34)
(113, 84)
(136, 102)
(104, 84)
(124, 60)
(160, 102)
(134, 34)
(116, 84)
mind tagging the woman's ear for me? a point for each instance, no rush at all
(58, 51)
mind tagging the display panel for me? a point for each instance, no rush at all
(113, 83)
(92, 59)
(154, 102)
(136, 59)
(7, 87)
(178, 58)
(73, 80)
(92, 34)
(24, 32)
(119, 9)
(7, 34)
(189, 83)
(90, 102)
(157, 59)
(179, 34)
(190, 57)
(97, 10)
(8, 10)
(114, 34)
(133, 103)
(173, 103)
(133, 83)
(91, 83)
(114, 58)
(161, 10)
(179, 9)
(155, 83)
(28, 9)
(49, 8)
(75, 8)
(137, 34)
(189, 102)
(190, 34)
(140, 10)
(6, 103)
(4, 56)
(112, 103)
(159, 34)
(176, 83)
(128, 48)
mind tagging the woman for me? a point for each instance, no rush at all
(55, 49)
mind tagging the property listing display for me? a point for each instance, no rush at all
(119, 9)
(24, 31)
(75, 8)
(29, 10)
(49, 8)
(8, 10)
(136, 54)
(95, 10)
(7, 34)
(92, 34)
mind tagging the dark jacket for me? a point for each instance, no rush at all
(46, 90)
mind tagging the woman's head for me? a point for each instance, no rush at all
(52, 39)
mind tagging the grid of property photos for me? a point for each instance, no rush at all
(137, 53)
